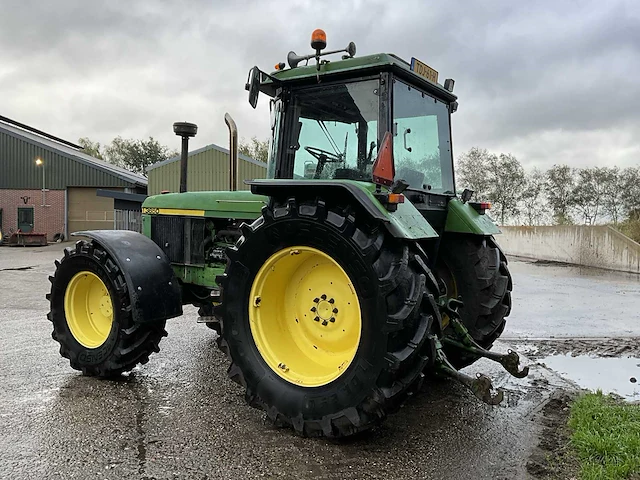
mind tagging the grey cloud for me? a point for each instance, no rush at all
(558, 71)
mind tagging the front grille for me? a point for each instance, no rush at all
(196, 240)
(180, 238)
(168, 233)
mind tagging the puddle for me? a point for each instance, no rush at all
(611, 375)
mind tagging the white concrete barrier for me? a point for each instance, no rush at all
(594, 246)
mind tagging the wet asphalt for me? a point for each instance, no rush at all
(180, 417)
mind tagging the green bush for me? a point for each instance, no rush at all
(631, 228)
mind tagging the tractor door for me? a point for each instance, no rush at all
(422, 150)
(422, 140)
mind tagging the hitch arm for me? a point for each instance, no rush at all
(481, 386)
(510, 361)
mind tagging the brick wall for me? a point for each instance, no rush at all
(48, 219)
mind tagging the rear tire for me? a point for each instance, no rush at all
(97, 348)
(394, 290)
(475, 269)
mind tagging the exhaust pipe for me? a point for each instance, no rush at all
(184, 130)
(233, 152)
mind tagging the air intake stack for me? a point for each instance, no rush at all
(184, 130)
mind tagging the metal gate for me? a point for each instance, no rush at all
(128, 220)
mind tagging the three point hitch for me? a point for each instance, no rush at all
(481, 386)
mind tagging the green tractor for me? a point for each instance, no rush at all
(337, 285)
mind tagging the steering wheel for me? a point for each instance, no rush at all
(323, 156)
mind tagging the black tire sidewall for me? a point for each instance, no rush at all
(357, 382)
(69, 267)
(466, 281)
(468, 259)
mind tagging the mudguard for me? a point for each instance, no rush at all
(406, 222)
(153, 288)
(463, 218)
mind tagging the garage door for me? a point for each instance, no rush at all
(87, 211)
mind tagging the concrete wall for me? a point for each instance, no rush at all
(594, 246)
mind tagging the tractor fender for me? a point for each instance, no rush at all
(406, 222)
(462, 218)
(153, 288)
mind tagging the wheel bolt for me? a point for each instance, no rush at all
(332, 319)
(323, 296)
(335, 310)
(331, 300)
(325, 323)
(313, 309)
(316, 300)
(317, 319)
(283, 367)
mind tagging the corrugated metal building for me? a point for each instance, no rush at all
(208, 169)
(57, 194)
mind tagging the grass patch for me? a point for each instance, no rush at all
(605, 434)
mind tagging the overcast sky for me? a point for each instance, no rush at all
(548, 81)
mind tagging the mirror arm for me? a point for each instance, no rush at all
(272, 78)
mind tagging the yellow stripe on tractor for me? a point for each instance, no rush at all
(181, 211)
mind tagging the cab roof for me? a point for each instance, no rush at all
(355, 67)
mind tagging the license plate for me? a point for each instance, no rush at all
(424, 70)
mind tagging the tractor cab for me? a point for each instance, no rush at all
(329, 119)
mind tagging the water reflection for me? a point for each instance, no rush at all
(611, 375)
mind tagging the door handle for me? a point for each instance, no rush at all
(407, 130)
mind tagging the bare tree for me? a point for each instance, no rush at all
(471, 172)
(532, 197)
(91, 148)
(559, 188)
(507, 181)
(613, 193)
(630, 179)
(588, 193)
(254, 148)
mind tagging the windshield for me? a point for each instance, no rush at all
(335, 131)
(422, 142)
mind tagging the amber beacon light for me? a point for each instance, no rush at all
(318, 39)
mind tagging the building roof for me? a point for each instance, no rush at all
(70, 152)
(204, 149)
(130, 197)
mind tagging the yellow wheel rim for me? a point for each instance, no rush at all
(88, 309)
(304, 316)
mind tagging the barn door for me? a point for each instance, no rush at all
(25, 219)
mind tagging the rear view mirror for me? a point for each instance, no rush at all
(253, 86)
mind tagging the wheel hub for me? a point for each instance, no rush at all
(307, 324)
(88, 309)
(324, 309)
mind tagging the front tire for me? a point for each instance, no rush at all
(91, 314)
(376, 346)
